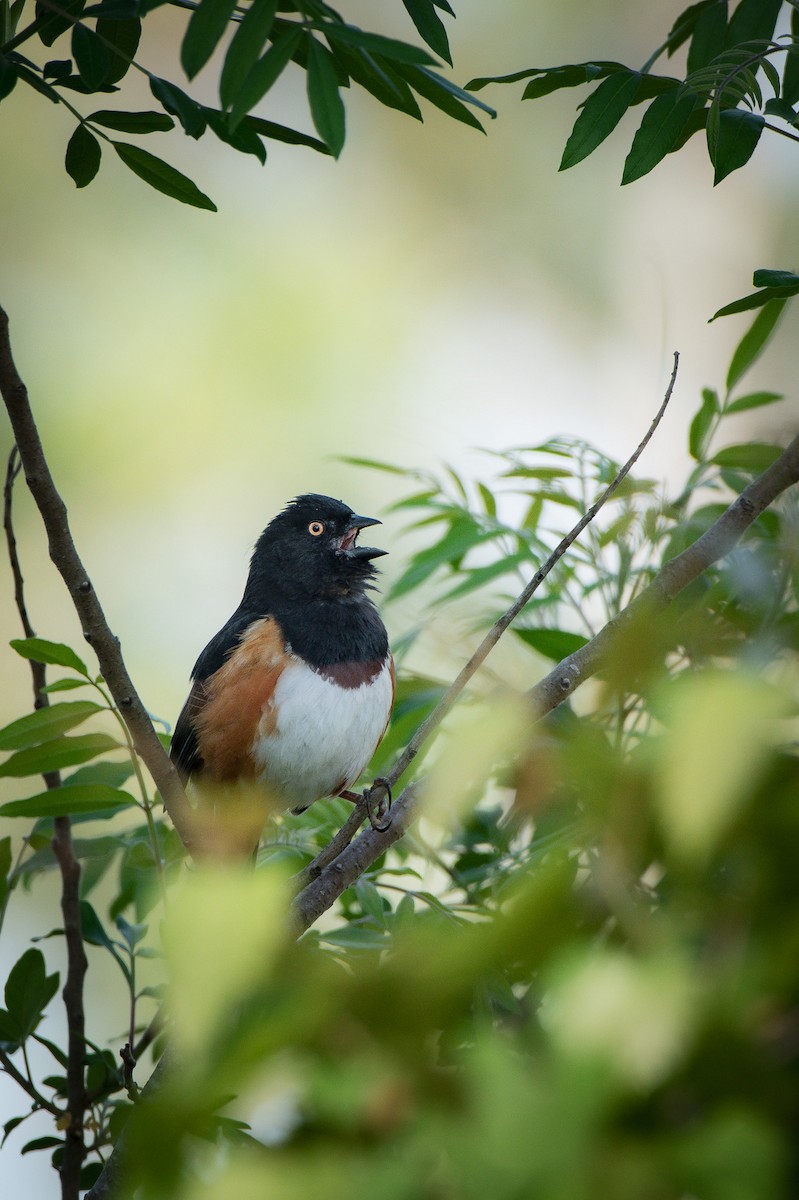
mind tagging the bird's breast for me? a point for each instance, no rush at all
(321, 726)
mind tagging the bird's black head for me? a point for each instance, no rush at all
(309, 552)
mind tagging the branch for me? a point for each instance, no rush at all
(64, 851)
(714, 544)
(95, 627)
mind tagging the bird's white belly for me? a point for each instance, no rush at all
(317, 737)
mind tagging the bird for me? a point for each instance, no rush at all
(294, 693)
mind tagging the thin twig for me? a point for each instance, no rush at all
(64, 852)
(496, 631)
(27, 1086)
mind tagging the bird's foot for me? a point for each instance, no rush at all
(379, 813)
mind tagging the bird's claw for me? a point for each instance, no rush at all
(380, 814)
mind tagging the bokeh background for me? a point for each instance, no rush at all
(433, 293)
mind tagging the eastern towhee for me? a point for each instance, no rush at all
(295, 692)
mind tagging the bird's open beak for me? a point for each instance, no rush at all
(347, 543)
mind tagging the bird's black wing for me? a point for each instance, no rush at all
(184, 750)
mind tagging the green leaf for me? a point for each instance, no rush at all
(327, 108)
(121, 38)
(659, 132)
(82, 159)
(748, 456)
(753, 400)
(243, 138)
(379, 78)
(46, 723)
(430, 26)
(132, 122)
(52, 24)
(5, 857)
(56, 754)
(685, 24)
(208, 22)
(246, 46)
(555, 644)
(480, 576)
(42, 1143)
(281, 133)
(544, 80)
(264, 73)
(29, 989)
(355, 937)
(755, 300)
(50, 653)
(65, 685)
(707, 41)
(738, 133)
(753, 20)
(600, 115)
(163, 177)
(752, 343)
(91, 57)
(701, 424)
(790, 72)
(8, 76)
(68, 800)
(188, 111)
(375, 43)
(439, 91)
(462, 535)
(767, 278)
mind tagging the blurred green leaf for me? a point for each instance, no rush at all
(753, 342)
(556, 644)
(46, 723)
(28, 991)
(752, 400)
(750, 456)
(68, 800)
(58, 753)
(702, 424)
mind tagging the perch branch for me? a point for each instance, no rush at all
(95, 627)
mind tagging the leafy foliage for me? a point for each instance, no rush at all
(261, 40)
(730, 59)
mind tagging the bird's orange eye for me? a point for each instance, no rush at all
(316, 528)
